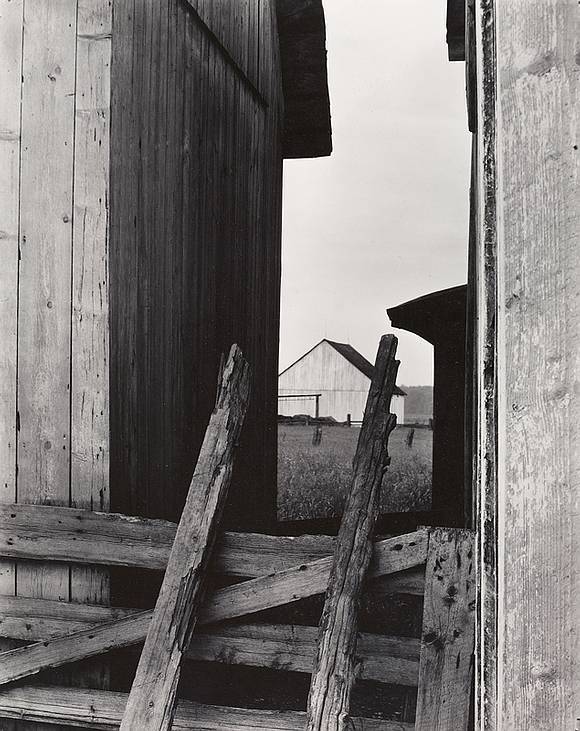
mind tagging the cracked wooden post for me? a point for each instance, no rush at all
(448, 634)
(152, 699)
(334, 670)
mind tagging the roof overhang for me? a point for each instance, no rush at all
(456, 30)
(302, 33)
(434, 317)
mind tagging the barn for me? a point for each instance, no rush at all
(331, 379)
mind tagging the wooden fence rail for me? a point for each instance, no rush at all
(69, 535)
(103, 710)
(393, 554)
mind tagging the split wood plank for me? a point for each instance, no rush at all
(103, 710)
(153, 695)
(280, 647)
(44, 316)
(334, 672)
(89, 436)
(111, 539)
(90, 286)
(393, 554)
(11, 29)
(448, 634)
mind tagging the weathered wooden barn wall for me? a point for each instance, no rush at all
(54, 173)
(194, 243)
(528, 299)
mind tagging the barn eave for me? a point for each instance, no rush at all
(302, 36)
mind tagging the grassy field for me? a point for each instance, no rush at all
(312, 480)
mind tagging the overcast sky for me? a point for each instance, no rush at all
(384, 219)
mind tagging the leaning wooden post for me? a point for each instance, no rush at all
(333, 675)
(152, 699)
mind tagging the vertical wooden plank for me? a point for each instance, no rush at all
(11, 29)
(90, 331)
(537, 196)
(11, 34)
(448, 635)
(44, 318)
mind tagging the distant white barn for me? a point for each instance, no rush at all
(339, 375)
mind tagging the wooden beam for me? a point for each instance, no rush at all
(44, 532)
(153, 695)
(448, 634)
(281, 647)
(528, 323)
(69, 535)
(334, 671)
(394, 554)
(103, 710)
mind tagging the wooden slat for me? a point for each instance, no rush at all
(103, 710)
(153, 695)
(46, 213)
(287, 647)
(90, 286)
(11, 29)
(112, 539)
(89, 485)
(334, 672)
(448, 633)
(44, 305)
(395, 554)
(283, 647)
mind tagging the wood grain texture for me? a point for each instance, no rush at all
(448, 633)
(44, 317)
(90, 286)
(280, 647)
(334, 671)
(302, 581)
(79, 536)
(11, 29)
(194, 248)
(153, 695)
(538, 354)
(103, 710)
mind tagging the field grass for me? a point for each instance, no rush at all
(313, 480)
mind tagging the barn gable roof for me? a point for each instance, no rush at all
(352, 356)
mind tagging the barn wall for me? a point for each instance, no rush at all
(195, 243)
(54, 161)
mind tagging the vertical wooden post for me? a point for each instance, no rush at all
(528, 344)
(11, 29)
(448, 634)
(333, 674)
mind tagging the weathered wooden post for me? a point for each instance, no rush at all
(333, 675)
(151, 703)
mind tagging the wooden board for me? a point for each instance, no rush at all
(235, 601)
(153, 694)
(11, 29)
(90, 286)
(448, 633)
(529, 192)
(44, 316)
(280, 647)
(111, 539)
(103, 710)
